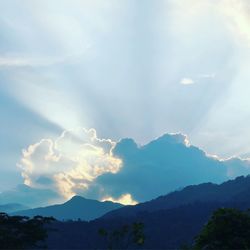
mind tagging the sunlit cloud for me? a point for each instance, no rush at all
(70, 163)
(125, 199)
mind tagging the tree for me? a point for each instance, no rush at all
(227, 229)
(125, 236)
(21, 232)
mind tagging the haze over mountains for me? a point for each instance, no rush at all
(30, 196)
(12, 207)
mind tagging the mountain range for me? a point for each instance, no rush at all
(230, 191)
(169, 221)
(74, 209)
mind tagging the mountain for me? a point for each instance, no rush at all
(76, 208)
(12, 207)
(230, 191)
(169, 221)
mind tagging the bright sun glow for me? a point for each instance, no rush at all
(125, 199)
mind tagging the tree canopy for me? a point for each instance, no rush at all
(227, 229)
(20, 232)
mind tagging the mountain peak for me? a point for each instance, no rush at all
(76, 207)
(231, 191)
(77, 198)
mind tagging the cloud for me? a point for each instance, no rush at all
(187, 81)
(69, 163)
(197, 79)
(19, 61)
(192, 47)
(78, 162)
(161, 166)
(27, 62)
(125, 199)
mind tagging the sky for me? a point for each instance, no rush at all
(108, 70)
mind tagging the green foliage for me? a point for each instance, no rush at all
(20, 232)
(227, 229)
(124, 237)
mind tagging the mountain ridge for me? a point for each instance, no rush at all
(205, 192)
(75, 208)
(169, 221)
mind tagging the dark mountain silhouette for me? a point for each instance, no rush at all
(164, 229)
(12, 207)
(169, 221)
(76, 208)
(230, 191)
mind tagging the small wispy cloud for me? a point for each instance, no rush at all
(196, 79)
(15, 61)
(187, 81)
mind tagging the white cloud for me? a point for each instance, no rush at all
(70, 163)
(187, 81)
(196, 79)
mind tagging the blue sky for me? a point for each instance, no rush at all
(126, 69)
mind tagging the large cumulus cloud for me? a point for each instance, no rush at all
(78, 162)
(70, 163)
(163, 165)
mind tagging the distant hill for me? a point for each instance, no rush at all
(12, 207)
(230, 191)
(76, 208)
